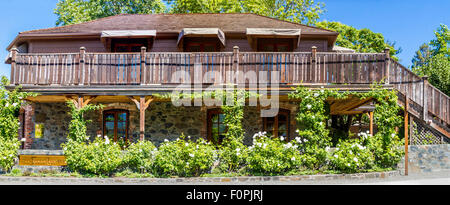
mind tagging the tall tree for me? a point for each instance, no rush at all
(205, 6)
(297, 11)
(421, 56)
(361, 40)
(78, 11)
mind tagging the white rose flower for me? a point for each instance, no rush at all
(282, 138)
(293, 158)
(316, 94)
(355, 159)
(335, 156)
(187, 144)
(238, 149)
(191, 155)
(308, 106)
(166, 140)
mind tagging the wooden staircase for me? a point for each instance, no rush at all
(429, 106)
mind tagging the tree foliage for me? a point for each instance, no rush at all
(10, 103)
(361, 40)
(78, 11)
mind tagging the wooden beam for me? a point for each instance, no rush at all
(406, 134)
(88, 99)
(371, 123)
(142, 105)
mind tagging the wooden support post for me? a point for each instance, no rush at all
(80, 101)
(387, 65)
(82, 74)
(235, 64)
(406, 133)
(142, 118)
(371, 123)
(13, 78)
(313, 63)
(425, 98)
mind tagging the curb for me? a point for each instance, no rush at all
(120, 180)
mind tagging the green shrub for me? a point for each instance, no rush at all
(272, 156)
(10, 102)
(100, 157)
(139, 156)
(183, 158)
(8, 153)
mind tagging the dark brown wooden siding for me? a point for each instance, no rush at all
(159, 45)
(65, 46)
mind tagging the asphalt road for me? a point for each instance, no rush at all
(434, 178)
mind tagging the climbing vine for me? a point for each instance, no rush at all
(311, 118)
(10, 102)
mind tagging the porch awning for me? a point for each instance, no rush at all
(273, 32)
(128, 33)
(253, 33)
(201, 32)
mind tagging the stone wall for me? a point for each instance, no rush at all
(427, 158)
(163, 120)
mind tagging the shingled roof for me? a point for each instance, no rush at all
(229, 23)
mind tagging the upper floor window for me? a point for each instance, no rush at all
(197, 44)
(279, 125)
(216, 126)
(115, 124)
(275, 44)
(129, 45)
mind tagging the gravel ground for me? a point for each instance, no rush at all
(434, 178)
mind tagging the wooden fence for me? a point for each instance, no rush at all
(175, 68)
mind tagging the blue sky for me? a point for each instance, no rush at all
(409, 23)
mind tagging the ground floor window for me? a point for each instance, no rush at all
(216, 126)
(279, 125)
(115, 124)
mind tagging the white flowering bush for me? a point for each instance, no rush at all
(313, 137)
(100, 157)
(351, 156)
(10, 102)
(272, 156)
(139, 156)
(8, 153)
(183, 157)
